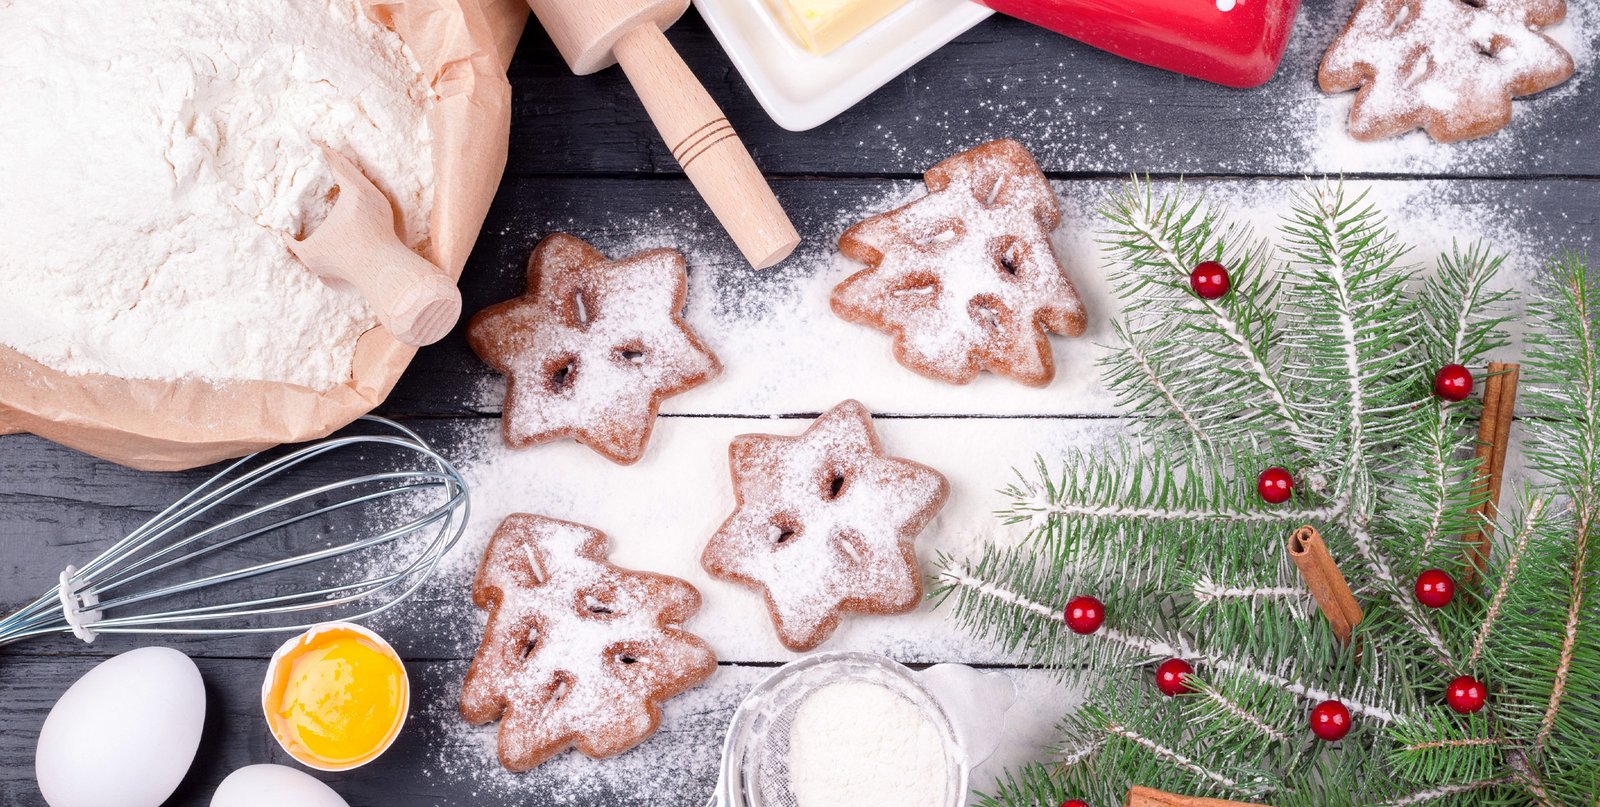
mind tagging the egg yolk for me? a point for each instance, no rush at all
(338, 698)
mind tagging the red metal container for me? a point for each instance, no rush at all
(1237, 43)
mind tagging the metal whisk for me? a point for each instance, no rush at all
(127, 589)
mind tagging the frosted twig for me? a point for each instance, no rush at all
(1245, 715)
(1142, 224)
(1440, 483)
(1172, 756)
(1041, 507)
(1585, 500)
(1406, 605)
(1327, 208)
(1519, 546)
(1444, 791)
(1435, 745)
(1156, 648)
(1137, 352)
(1208, 590)
(1458, 339)
(1569, 640)
(1083, 751)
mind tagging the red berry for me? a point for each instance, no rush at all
(1274, 485)
(1172, 675)
(1466, 694)
(1435, 588)
(1085, 614)
(1453, 382)
(1074, 803)
(1209, 280)
(1330, 720)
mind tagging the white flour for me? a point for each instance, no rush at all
(860, 743)
(157, 154)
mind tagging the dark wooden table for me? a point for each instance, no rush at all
(584, 159)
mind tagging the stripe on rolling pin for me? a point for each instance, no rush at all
(698, 134)
(730, 133)
(691, 146)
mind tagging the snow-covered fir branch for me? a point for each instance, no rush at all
(1038, 506)
(1172, 756)
(1462, 742)
(1466, 328)
(1569, 636)
(1140, 218)
(1508, 574)
(1339, 274)
(1244, 715)
(1439, 483)
(1153, 648)
(1325, 216)
(1137, 353)
(1208, 590)
(1584, 493)
(1080, 752)
(1446, 791)
(1404, 602)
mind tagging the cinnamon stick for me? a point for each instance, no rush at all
(1150, 797)
(1494, 433)
(1327, 583)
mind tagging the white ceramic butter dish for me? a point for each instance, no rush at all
(801, 90)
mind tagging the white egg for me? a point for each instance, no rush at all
(124, 734)
(273, 786)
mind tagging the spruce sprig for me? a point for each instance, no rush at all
(1320, 360)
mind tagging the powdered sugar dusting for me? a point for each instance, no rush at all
(788, 353)
(1077, 116)
(826, 523)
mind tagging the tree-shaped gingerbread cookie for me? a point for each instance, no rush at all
(577, 652)
(965, 278)
(1450, 67)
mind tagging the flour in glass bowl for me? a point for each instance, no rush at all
(156, 156)
(860, 743)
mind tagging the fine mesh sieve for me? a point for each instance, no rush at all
(755, 756)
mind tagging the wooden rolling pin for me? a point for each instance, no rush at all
(357, 244)
(593, 34)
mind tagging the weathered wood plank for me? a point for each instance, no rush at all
(658, 514)
(751, 319)
(439, 761)
(1082, 110)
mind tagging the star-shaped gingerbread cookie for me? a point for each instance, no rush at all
(593, 347)
(825, 524)
(965, 278)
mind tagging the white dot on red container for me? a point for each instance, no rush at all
(1225, 5)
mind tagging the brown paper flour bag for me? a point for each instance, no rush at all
(465, 46)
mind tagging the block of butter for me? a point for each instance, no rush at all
(822, 25)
